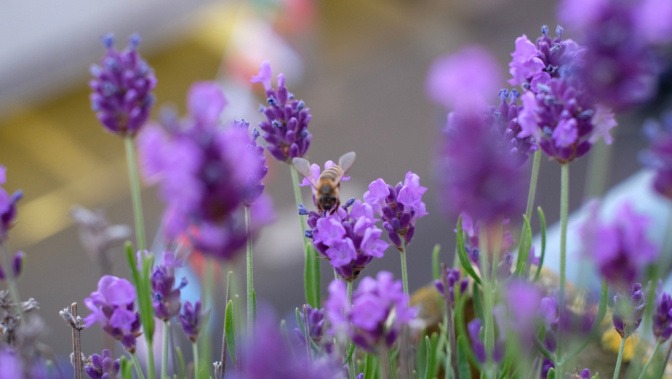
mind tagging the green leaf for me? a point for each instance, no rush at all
(312, 298)
(462, 253)
(422, 355)
(551, 373)
(432, 363)
(349, 354)
(143, 291)
(477, 300)
(542, 225)
(126, 368)
(371, 366)
(463, 368)
(230, 331)
(436, 265)
(181, 366)
(524, 249)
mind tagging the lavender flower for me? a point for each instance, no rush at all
(477, 172)
(505, 119)
(614, 32)
(400, 207)
(378, 311)
(207, 173)
(286, 126)
(122, 86)
(10, 364)
(584, 374)
(662, 315)
(522, 301)
(17, 265)
(533, 64)
(348, 238)
(463, 80)
(563, 119)
(113, 307)
(621, 250)
(102, 366)
(628, 310)
(659, 154)
(314, 323)
(166, 299)
(257, 186)
(192, 319)
(7, 206)
(267, 354)
(452, 278)
(475, 328)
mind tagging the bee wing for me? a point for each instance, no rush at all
(303, 167)
(346, 161)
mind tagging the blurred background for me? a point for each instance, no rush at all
(359, 65)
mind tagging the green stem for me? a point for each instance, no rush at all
(653, 355)
(533, 183)
(312, 263)
(488, 302)
(404, 267)
(138, 367)
(134, 180)
(351, 361)
(194, 349)
(150, 361)
(165, 347)
(250, 275)
(564, 210)
(619, 360)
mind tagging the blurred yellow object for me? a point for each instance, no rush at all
(611, 341)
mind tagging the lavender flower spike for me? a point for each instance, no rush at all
(192, 319)
(628, 310)
(166, 299)
(399, 206)
(122, 88)
(286, 126)
(662, 315)
(7, 206)
(621, 250)
(379, 310)
(349, 238)
(658, 156)
(102, 366)
(113, 306)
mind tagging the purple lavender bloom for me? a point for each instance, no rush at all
(614, 32)
(477, 172)
(286, 126)
(522, 300)
(102, 366)
(348, 238)
(563, 119)
(314, 323)
(628, 310)
(464, 79)
(122, 86)
(10, 364)
(367, 320)
(113, 306)
(474, 329)
(546, 366)
(584, 374)
(452, 278)
(257, 187)
(7, 206)
(166, 297)
(192, 319)
(534, 64)
(400, 207)
(621, 249)
(267, 354)
(662, 315)
(505, 119)
(207, 174)
(659, 155)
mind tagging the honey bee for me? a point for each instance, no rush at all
(327, 187)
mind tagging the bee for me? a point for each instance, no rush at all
(327, 187)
